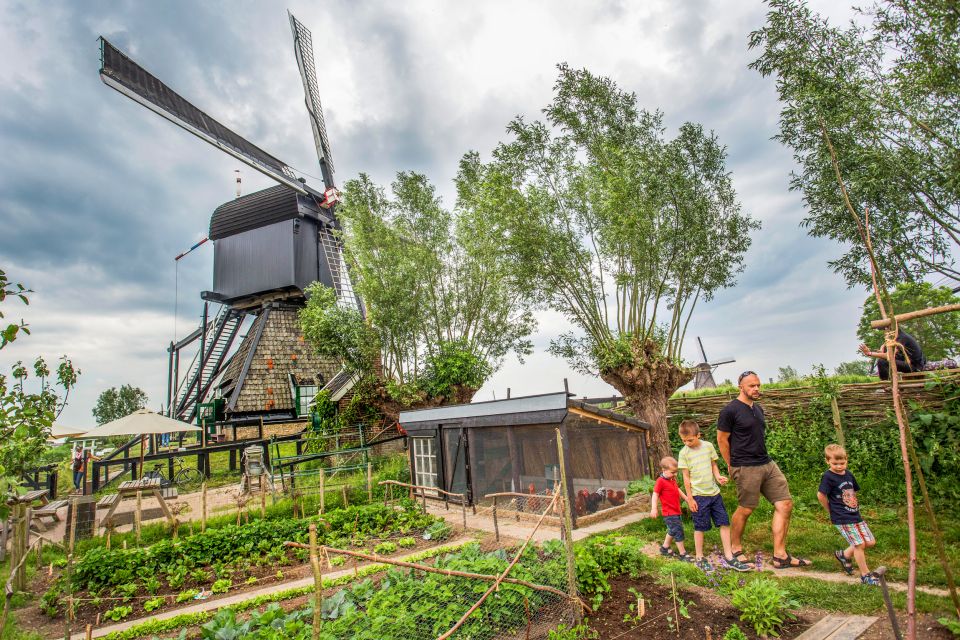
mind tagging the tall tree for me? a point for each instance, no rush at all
(116, 403)
(27, 407)
(443, 312)
(887, 93)
(938, 335)
(617, 228)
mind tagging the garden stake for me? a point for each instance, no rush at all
(317, 581)
(89, 631)
(138, 515)
(263, 504)
(708, 633)
(882, 574)
(567, 530)
(369, 482)
(203, 507)
(343, 489)
(526, 606)
(890, 342)
(837, 425)
(496, 526)
(323, 492)
(676, 613)
(463, 508)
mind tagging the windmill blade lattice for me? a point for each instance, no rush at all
(303, 47)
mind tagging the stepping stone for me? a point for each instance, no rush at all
(838, 628)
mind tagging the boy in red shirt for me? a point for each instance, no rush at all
(669, 494)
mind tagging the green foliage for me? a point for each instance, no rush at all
(643, 485)
(406, 542)
(951, 624)
(187, 594)
(787, 374)
(884, 88)
(938, 335)
(591, 579)
(734, 633)
(385, 548)
(853, 368)
(221, 586)
(428, 276)
(114, 403)
(763, 604)
(439, 530)
(337, 331)
(153, 603)
(454, 364)
(118, 613)
(26, 414)
(580, 632)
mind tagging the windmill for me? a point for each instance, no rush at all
(268, 247)
(703, 376)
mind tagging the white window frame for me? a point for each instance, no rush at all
(425, 463)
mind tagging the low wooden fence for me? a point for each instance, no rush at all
(859, 403)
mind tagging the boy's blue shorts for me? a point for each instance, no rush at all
(709, 508)
(674, 527)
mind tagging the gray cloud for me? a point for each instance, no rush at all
(97, 195)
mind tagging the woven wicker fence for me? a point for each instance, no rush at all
(864, 404)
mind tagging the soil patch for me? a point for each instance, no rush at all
(659, 622)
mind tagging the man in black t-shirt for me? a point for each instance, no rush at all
(741, 438)
(908, 360)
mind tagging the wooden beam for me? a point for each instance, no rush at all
(605, 420)
(910, 315)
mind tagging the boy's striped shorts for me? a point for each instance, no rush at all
(856, 534)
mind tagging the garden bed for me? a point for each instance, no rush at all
(616, 619)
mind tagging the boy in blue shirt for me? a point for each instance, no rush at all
(838, 495)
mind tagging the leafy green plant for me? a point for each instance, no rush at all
(152, 584)
(952, 625)
(439, 530)
(221, 586)
(187, 594)
(251, 580)
(338, 561)
(385, 548)
(126, 590)
(175, 578)
(637, 608)
(579, 632)
(763, 604)
(200, 575)
(153, 603)
(406, 542)
(591, 579)
(734, 633)
(279, 574)
(643, 486)
(118, 613)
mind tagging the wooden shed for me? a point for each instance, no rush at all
(510, 445)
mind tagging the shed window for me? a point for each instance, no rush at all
(425, 461)
(305, 395)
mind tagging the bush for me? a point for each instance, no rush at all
(763, 604)
(643, 485)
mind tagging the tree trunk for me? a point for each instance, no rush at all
(646, 385)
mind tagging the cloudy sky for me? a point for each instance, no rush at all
(97, 194)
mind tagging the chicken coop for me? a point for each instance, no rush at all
(505, 446)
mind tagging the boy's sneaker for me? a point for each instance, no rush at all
(736, 565)
(703, 564)
(666, 552)
(871, 579)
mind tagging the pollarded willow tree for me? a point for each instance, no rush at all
(617, 228)
(887, 93)
(442, 311)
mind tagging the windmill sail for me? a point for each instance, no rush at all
(303, 47)
(119, 72)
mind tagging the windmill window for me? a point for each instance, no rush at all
(305, 395)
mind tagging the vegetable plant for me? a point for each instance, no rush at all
(764, 605)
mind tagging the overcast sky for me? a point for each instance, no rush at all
(97, 194)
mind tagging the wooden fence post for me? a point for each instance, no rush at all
(138, 516)
(369, 482)
(568, 535)
(203, 507)
(317, 581)
(323, 490)
(837, 425)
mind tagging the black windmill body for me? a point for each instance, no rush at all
(268, 247)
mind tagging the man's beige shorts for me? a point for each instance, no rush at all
(765, 479)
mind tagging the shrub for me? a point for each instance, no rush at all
(764, 605)
(643, 485)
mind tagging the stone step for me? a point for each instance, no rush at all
(838, 628)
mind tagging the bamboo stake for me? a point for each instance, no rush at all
(323, 491)
(89, 632)
(263, 503)
(837, 425)
(343, 489)
(203, 506)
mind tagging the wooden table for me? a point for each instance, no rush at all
(133, 488)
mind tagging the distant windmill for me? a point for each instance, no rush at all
(703, 378)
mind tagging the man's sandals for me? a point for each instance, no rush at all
(789, 562)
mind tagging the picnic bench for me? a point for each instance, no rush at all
(48, 510)
(132, 489)
(35, 501)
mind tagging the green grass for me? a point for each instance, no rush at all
(813, 537)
